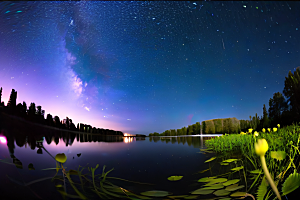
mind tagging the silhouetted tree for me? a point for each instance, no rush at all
(265, 117)
(50, 120)
(12, 99)
(67, 123)
(292, 92)
(32, 111)
(277, 105)
(19, 109)
(57, 122)
(0, 94)
(24, 108)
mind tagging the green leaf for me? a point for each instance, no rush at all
(224, 163)
(211, 159)
(234, 187)
(262, 189)
(221, 192)
(238, 194)
(201, 191)
(227, 198)
(229, 160)
(175, 178)
(279, 155)
(257, 171)
(237, 168)
(155, 193)
(233, 181)
(291, 183)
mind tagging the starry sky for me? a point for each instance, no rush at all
(143, 67)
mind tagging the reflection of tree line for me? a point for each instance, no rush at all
(196, 142)
(34, 140)
(36, 115)
(283, 110)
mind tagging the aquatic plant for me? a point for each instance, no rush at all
(279, 149)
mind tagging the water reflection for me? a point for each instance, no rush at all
(133, 158)
(196, 141)
(128, 139)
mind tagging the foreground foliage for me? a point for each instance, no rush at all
(275, 151)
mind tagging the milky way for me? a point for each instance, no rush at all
(141, 67)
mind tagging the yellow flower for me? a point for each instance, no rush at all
(269, 129)
(274, 129)
(278, 125)
(256, 133)
(250, 130)
(242, 133)
(263, 130)
(61, 157)
(261, 147)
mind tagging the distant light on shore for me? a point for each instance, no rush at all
(128, 134)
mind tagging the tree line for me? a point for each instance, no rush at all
(35, 114)
(284, 109)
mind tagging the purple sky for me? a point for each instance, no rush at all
(140, 67)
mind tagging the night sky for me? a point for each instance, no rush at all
(143, 67)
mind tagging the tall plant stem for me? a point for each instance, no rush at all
(268, 176)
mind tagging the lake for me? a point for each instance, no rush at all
(140, 159)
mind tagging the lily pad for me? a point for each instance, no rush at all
(206, 179)
(233, 181)
(217, 180)
(202, 191)
(175, 178)
(211, 159)
(221, 192)
(214, 187)
(234, 187)
(279, 155)
(155, 193)
(238, 194)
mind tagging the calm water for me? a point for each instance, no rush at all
(146, 160)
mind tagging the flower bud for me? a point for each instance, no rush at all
(261, 147)
(61, 157)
